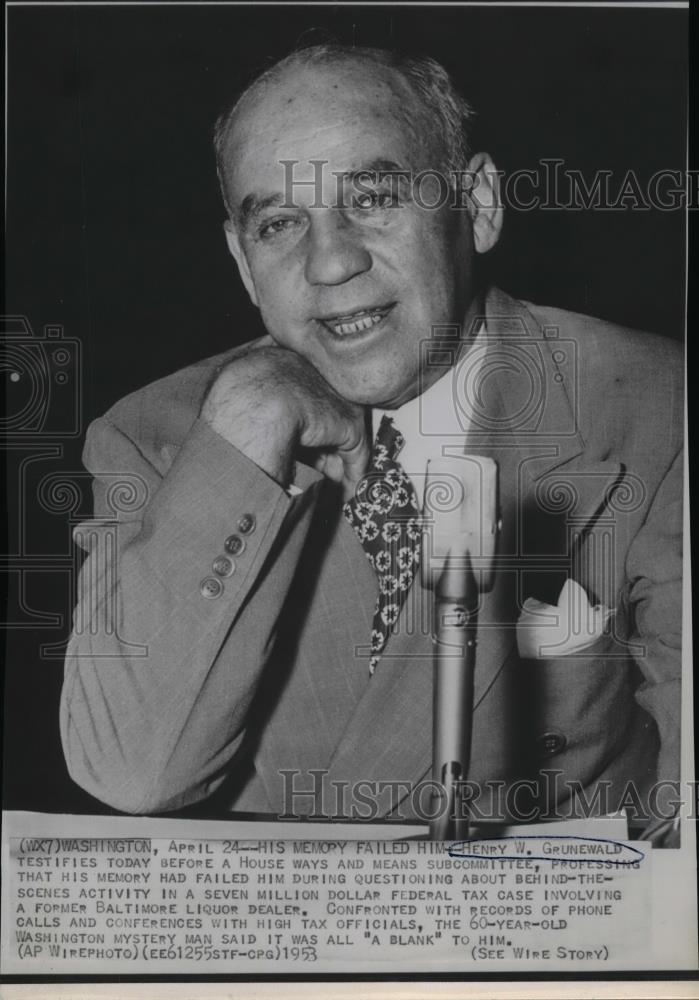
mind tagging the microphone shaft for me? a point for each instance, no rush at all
(456, 626)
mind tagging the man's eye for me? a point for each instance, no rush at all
(373, 199)
(274, 227)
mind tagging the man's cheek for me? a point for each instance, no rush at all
(274, 324)
(284, 330)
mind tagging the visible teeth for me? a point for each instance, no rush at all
(356, 325)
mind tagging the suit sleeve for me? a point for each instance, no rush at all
(154, 700)
(655, 573)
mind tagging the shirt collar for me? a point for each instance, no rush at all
(435, 411)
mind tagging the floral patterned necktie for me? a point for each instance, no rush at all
(384, 513)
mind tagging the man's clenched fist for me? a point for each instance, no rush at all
(269, 401)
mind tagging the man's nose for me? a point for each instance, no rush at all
(336, 252)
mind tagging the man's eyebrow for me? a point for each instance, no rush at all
(252, 205)
(374, 167)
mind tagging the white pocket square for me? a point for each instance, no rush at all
(545, 631)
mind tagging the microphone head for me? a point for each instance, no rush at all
(460, 519)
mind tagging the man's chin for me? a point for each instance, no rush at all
(373, 391)
(377, 399)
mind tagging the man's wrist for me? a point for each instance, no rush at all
(262, 434)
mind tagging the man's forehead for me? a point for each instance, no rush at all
(347, 115)
(299, 86)
(312, 106)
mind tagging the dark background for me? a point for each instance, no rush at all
(114, 232)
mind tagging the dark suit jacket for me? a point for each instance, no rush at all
(170, 696)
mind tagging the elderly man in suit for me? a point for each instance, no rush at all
(233, 639)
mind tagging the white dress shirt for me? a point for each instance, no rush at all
(435, 418)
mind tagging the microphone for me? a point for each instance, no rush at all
(458, 565)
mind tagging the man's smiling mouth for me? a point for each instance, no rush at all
(346, 324)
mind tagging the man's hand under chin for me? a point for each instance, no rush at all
(269, 402)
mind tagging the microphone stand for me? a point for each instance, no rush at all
(456, 613)
(461, 510)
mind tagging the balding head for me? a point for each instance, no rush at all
(416, 91)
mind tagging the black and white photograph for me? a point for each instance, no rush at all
(347, 550)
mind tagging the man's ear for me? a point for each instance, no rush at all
(484, 198)
(238, 254)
